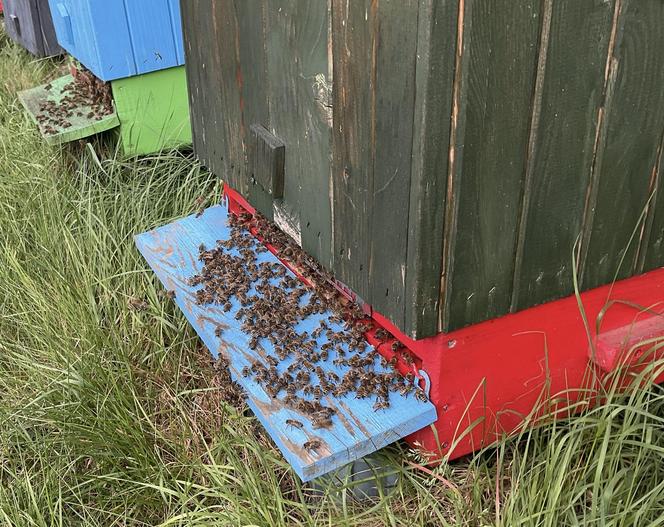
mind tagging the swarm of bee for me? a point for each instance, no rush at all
(85, 90)
(273, 303)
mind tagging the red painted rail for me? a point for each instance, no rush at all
(487, 378)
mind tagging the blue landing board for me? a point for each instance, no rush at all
(358, 430)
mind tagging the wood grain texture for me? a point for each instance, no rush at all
(266, 168)
(212, 51)
(29, 23)
(251, 81)
(437, 32)
(354, 29)
(501, 43)
(375, 57)
(296, 47)
(172, 252)
(559, 165)
(653, 253)
(50, 46)
(392, 142)
(628, 153)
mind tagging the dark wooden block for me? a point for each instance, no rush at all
(29, 23)
(266, 169)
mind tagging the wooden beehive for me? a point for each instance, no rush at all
(116, 39)
(153, 111)
(444, 158)
(29, 23)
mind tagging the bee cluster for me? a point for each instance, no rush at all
(85, 90)
(272, 305)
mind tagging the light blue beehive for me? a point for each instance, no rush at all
(116, 39)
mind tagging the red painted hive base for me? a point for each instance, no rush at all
(485, 379)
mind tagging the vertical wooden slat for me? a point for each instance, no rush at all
(393, 114)
(209, 28)
(253, 83)
(375, 56)
(626, 158)
(297, 73)
(489, 158)
(354, 52)
(437, 23)
(559, 165)
(653, 252)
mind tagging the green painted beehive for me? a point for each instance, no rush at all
(153, 111)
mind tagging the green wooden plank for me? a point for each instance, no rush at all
(559, 166)
(354, 47)
(627, 157)
(81, 125)
(653, 254)
(298, 78)
(495, 102)
(212, 51)
(253, 85)
(392, 143)
(153, 111)
(437, 25)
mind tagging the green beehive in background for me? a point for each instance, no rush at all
(153, 111)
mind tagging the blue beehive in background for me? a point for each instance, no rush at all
(116, 39)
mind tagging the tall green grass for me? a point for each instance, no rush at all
(112, 415)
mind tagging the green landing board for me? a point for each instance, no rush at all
(81, 126)
(153, 111)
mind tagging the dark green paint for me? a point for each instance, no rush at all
(627, 158)
(547, 142)
(559, 167)
(490, 157)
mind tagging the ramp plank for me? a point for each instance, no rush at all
(172, 252)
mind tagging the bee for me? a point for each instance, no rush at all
(294, 423)
(381, 405)
(321, 421)
(406, 389)
(171, 294)
(303, 377)
(201, 248)
(218, 331)
(381, 334)
(420, 395)
(407, 358)
(396, 345)
(272, 361)
(246, 372)
(227, 307)
(313, 444)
